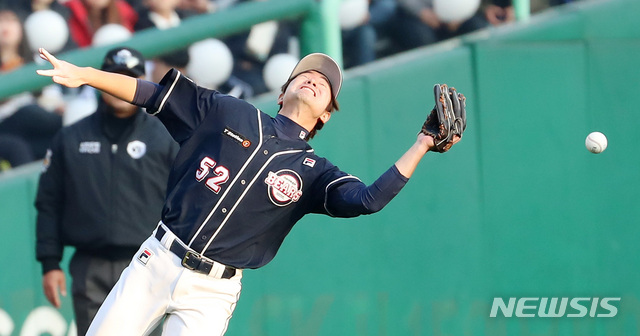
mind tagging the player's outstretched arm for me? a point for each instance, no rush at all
(70, 75)
(409, 161)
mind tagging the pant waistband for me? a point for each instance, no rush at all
(191, 259)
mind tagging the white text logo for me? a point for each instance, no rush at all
(550, 307)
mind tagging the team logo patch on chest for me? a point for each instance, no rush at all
(284, 187)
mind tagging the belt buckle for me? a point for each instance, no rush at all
(191, 260)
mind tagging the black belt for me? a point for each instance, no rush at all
(193, 260)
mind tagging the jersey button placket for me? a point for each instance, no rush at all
(224, 210)
(266, 152)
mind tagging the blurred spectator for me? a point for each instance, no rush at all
(370, 38)
(205, 6)
(25, 130)
(418, 25)
(358, 45)
(10, 105)
(14, 49)
(381, 13)
(178, 59)
(161, 14)
(15, 52)
(14, 151)
(499, 11)
(358, 34)
(37, 5)
(33, 124)
(382, 16)
(502, 11)
(137, 5)
(236, 87)
(248, 66)
(29, 7)
(87, 16)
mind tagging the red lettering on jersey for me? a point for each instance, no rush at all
(284, 187)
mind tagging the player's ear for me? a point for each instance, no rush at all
(325, 116)
(280, 98)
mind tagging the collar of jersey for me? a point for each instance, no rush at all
(287, 128)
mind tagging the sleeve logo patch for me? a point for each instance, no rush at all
(144, 256)
(236, 136)
(46, 163)
(284, 187)
(309, 162)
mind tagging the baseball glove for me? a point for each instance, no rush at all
(448, 118)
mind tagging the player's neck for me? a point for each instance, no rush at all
(301, 115)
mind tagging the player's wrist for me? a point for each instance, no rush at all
(424, 143)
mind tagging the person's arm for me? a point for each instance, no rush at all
(70, 75)
(349, 197)
(50, 203)
(409, 160)
(177, 101)
(352, 197)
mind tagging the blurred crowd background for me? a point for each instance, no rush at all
(243, 65)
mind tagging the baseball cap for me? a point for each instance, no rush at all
(125, 61)
(323, 64)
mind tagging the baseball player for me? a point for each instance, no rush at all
(240, 182)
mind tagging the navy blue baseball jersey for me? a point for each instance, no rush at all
(242, 179)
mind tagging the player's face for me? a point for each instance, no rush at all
(311, 88)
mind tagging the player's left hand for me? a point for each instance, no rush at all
(427, 141)
(447, 120)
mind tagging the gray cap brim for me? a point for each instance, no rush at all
(324, 65)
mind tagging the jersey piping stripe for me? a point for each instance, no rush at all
(164, 99)
(326, 190)
(246, 163)
(244, 193)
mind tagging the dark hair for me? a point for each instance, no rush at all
(333, 106)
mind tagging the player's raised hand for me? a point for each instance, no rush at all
(63, 73)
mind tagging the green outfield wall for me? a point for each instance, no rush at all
(519, 210)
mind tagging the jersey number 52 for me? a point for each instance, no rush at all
(221, 174)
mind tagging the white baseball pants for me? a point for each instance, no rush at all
(156, 284)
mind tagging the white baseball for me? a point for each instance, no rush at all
(596, 142)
